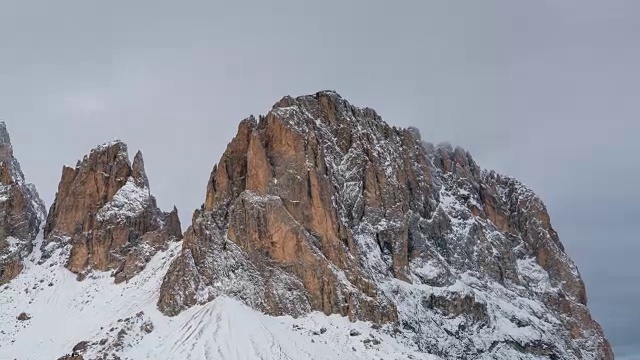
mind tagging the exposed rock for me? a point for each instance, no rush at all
(72, 357)
(81, 346)
(322, 206)
(147, 327)
(21, 212)
(104, 210)
(24, 317)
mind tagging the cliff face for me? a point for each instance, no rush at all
(21, 212)
(104, 210)
(320, 205)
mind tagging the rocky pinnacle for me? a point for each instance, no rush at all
(21, 212)
(105, 211)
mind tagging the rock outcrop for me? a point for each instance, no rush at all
(322, 206)
(105, 213)
(72, 357)
(21, 212)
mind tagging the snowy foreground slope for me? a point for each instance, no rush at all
(122, 320)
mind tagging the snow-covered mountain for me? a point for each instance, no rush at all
(325, 234)
(21, 212)
(105, 211)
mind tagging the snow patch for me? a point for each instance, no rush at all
(128, 202)
(536, 277)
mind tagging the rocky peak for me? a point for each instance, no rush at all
(104, 212)
(10, 171)
(21, 212)
(88, 187)
(320, 205)
(138, 172)
(6, 151)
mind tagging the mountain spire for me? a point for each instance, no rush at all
(139, 173)
(21, 212)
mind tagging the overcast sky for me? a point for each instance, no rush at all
(547, 91)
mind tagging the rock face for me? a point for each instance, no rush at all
(21, 212)
(322, 206)
(105, 212)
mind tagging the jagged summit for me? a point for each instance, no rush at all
(288, 100)
(138, 172)
(325, 96)
(105, 213)
(4, 135)
(117, 147)
(115, 143)
(21, 211)
(11, 167)
(329, 101)
(321, 205)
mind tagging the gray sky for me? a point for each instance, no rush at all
(546, 91)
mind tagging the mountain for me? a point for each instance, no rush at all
(322, 206)
(105, 211)
(325, 234)
(21, 212)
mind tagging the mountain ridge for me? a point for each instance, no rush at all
(321, 207)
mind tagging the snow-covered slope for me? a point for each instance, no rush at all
(122, 320)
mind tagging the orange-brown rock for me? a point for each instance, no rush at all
(104, 210)
(21, 212)
(10, 269)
